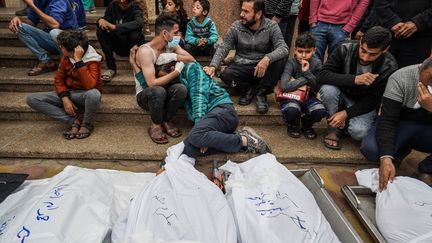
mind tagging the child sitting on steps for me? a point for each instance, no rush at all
(300, 71)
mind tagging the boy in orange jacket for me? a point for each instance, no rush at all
(78, 86)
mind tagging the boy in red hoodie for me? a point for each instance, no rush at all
(78, 86)
(332, 21)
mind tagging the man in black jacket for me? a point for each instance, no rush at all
(405, 122)
(411, 24)
(354, 79)
(118, 31)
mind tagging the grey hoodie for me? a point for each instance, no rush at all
(250, 46)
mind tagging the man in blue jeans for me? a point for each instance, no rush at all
(332, 21)
(57, 15)
(353, 80)
(405, 123)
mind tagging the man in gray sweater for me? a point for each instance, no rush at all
(261, 54)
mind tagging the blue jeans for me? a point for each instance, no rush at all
(38, 41)
(216, 131)
(334, 100)
(410, 135)
(327, 35)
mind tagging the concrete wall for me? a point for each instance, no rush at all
(223, 12)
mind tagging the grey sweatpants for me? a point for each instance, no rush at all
(50, 104)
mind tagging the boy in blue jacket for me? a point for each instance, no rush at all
(201, 32)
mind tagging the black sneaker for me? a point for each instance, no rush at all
(255, 144)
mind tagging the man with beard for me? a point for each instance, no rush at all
(261, 54)
(353, 82)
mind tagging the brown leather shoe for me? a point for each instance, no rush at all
(42, 68)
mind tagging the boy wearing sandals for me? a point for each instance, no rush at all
(299, 72)
(163, 95)
(353, 81)
(78, 86)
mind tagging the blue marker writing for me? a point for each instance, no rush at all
(24, 233)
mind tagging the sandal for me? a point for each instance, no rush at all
(309, 132)
(333, 138)
(108, 75)
(293, 131)
(85, 134)
(156, 134)
(42, 68)
(172, 131)
(73, 131)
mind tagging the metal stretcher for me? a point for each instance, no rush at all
(362, 201)
(340, 225)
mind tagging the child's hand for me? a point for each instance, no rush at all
(304, 65)
(202, 42)
(78, 53)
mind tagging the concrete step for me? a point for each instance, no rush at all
(7, 38)
(130, 141)
(124, 108)
(17, 80)
(22, 57)
(6, 14)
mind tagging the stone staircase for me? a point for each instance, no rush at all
(121, 128)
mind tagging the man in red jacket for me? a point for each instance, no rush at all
(78, 86)
(332, 21)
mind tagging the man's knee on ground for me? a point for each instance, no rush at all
(358, 132)
(329, 91)
(369, 149)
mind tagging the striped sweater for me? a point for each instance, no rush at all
(399, 104)
(204, 93)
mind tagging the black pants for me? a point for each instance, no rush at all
(410, 51)
(303, 26)
(410, 135)
(120, 44)
(162, 102)
(216, 131)
(207, 50)
(241, 77)
(290, 28)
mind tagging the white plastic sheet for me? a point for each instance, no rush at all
(179, 205)
(77, 205)
(271, 205)
(404, 210)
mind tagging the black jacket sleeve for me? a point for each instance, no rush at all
(332, 72)
(108, 14)
(385, 14)
(387, 124)
(137, 23)
(423, 20)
